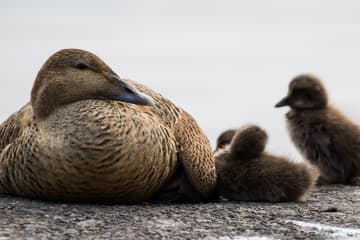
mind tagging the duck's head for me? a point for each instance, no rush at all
(305, 92)
(224, 138)
(72, 75)
(248, 142)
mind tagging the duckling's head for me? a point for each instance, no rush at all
(224, 139)
(72, 75)
(248, 142)
(305, 92)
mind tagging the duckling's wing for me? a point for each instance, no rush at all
(12, 128)
(329, 151)
(195, 155)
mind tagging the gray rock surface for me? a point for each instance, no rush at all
(332, 212)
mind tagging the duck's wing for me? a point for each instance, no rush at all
(333, 151)
(12, 127)
(196, 156)
(194, 147)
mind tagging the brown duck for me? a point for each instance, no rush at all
(247, 173)
(322, 134)
(85, 137)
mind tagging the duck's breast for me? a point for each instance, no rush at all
(101, 150)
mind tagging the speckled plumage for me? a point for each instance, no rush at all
(322, 134)
(194, 149)
(246, 173)
(96, 149)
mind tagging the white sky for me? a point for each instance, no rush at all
(226, 62)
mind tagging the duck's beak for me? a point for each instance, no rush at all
(283, 102)
(129, 94)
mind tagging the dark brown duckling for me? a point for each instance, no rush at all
(321, 133)
(247, 173)
(224, 138)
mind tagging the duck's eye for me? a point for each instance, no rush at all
(82, 66)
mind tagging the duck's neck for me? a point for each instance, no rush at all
(42, 107)
(45, 100)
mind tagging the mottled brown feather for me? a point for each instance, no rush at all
(101, 150)
(195, 155)
(194, 147)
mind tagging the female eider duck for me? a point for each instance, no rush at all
(85, 137)
(322, 133)
(247, 173)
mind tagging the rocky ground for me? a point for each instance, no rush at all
(332, 212)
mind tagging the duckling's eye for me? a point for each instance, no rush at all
(82, 66)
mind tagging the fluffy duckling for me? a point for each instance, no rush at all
(247, 173)
(224, 138)
(321, 133)
(84, 137)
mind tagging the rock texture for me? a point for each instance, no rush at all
(332, 212)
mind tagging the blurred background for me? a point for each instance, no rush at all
(225, 62)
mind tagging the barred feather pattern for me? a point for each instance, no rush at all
(102, 151)
(82, 154)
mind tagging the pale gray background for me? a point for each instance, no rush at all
(226, 62)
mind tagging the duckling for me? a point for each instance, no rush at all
(321, 133)
(247, 173)
(224, 138)
(89, 136)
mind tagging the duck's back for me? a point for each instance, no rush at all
(13, 127)
(164, 109)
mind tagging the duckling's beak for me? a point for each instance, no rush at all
(283, 102)
(129, 94)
